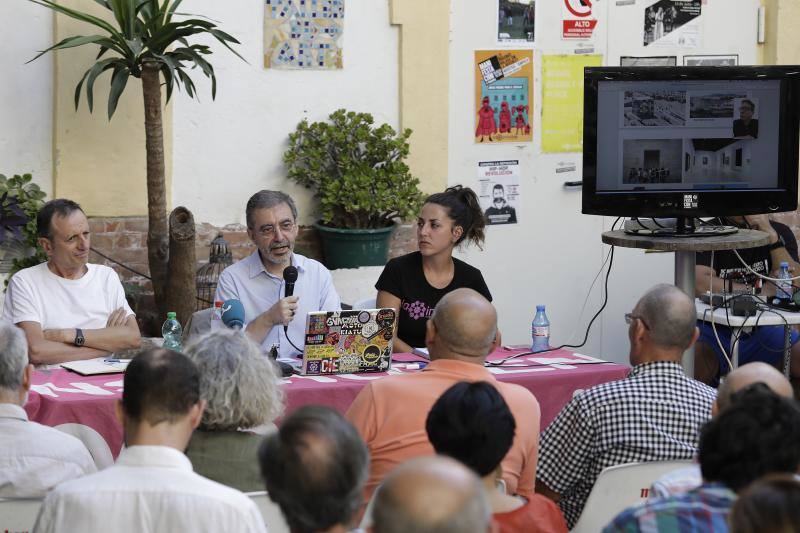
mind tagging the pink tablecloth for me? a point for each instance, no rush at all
(59, 396)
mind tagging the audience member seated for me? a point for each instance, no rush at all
(243, 396)
(654, 414)
(33, 458)
(472, 423)
(69, 309)
(431, 495)
(152, 486)
(770, 505)
(390, 413)
(688, 478)
(754, 436)
(315, 468)
(414, 283)
(257, 280)
(764, 343)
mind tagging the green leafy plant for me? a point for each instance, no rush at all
(147, 41)
(357, 171)
(29, 199)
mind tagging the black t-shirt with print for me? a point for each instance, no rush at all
(727, 265)
(403, 277)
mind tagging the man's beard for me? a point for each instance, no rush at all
(267, 254)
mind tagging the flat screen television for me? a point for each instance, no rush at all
(690, 141)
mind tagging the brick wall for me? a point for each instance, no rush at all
(124, 239)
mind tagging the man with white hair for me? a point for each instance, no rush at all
(33, 458)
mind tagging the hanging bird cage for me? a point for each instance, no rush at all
(219, 258)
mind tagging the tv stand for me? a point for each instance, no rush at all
(684, 227)
(684, 247)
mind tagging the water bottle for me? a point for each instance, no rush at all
(784, 291)
(540, 330)
(172, 332)
(217, 313)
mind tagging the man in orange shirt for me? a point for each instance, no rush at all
(390, 413)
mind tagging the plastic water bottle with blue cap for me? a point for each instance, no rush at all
(540, 331)
(784, 290)
(172, 332)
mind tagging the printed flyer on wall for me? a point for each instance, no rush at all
(498, 190)
(503, 96)
(562, 101)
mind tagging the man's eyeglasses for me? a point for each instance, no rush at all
(630, 317)
(268, 231)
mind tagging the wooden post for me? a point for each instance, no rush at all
(181, 288)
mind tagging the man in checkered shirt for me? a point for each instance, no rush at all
(654, 414)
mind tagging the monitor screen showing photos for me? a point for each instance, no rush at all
(687, 135)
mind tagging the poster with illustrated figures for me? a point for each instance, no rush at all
(503, 96)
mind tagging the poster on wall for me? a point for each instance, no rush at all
(578, 21)
(515, 21)
(498, 190)
(562, 101)
(672, 23)
(303, 35)
(650, 61)
(729, 60)
(503, 96)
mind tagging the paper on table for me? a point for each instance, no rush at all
(422, 352)
(93, 367)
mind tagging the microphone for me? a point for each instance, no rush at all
(233, 314)
(289, 276)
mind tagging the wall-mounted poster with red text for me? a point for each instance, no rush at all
(578, 20)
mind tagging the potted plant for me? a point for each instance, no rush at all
(362, 183)
(20, 202)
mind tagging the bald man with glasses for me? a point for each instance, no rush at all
(654, 414)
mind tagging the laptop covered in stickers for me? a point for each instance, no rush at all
(348, 341)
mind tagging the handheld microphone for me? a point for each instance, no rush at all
(289, 276)
(233, 314)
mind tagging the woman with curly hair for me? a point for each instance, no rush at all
(243, 396)
(414, 283)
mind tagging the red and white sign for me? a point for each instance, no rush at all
(578, 22)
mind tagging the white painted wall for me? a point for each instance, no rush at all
(233, 146)
(26, 93)
(554, 253)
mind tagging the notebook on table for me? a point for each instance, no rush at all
(350, 341)
(100, 365)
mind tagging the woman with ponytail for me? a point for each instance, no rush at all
(414, 283)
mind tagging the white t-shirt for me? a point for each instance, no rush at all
(35, 294)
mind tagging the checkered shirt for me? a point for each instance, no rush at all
(654, 414)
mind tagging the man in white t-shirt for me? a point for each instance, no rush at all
(152, 486)
(33, 458)
(69, 309)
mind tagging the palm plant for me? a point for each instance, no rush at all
(147, 43)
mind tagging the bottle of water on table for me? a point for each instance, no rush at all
(172, 332)
(540, 330)
(784, 290)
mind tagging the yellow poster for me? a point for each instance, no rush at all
(562, 101)
(503, 96)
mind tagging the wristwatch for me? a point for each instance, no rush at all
(79, 339)
(780, 243)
